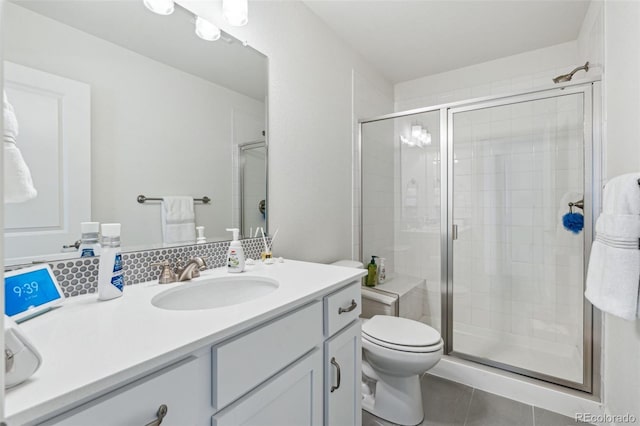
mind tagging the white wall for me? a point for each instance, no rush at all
(591, 38)
(310, 125)
(504, 75)
(622, 133)
(132, 153)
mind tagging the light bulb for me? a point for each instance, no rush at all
(206, 30)
(236, 12)
(426, 137)
(416, 131)
(161, 7)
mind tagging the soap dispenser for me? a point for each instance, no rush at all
(235, 255)
(372, 275)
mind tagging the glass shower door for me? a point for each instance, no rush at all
(516, 276)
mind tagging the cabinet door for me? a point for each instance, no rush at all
(292, 397)
(342, 390)
(182, 388)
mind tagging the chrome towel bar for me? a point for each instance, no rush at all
(142, 199)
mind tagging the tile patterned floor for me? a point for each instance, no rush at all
(453, 404)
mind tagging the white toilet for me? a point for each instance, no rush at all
(395, 353)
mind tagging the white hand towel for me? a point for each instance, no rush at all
(18, 185)
(178, 220)
(613, 276)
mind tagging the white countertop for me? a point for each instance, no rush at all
(90, 347)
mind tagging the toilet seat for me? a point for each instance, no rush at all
(401, 334)
(402, 348)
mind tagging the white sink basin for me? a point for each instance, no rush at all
(214, 293)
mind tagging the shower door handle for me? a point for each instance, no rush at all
(454, 232)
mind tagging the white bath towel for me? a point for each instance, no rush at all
(613, 275)
(18, 185)
(178, 220)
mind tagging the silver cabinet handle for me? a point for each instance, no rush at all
(162, 411)
(8, 360)
(334, 362)
(349, 309)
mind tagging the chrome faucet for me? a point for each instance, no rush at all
(191, 269)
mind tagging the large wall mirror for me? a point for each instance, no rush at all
(112, 102)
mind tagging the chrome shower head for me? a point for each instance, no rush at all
(567, 77)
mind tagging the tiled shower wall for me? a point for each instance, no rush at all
(79, 276)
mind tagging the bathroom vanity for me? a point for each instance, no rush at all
(289, 357)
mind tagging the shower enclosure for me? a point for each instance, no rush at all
(465, 202)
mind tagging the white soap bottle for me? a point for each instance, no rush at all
(235, 255)
(89, 244)
(382, 270)
(110, 273)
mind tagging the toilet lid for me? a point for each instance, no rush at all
(400, 331)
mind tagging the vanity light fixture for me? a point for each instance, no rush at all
(206, 30)
(161, 7)
(236, 12)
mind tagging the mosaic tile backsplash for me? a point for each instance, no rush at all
(80, 276)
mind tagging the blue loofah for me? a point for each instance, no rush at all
(573, 222)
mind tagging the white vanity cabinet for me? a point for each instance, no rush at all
(301, 368)
(343, 357)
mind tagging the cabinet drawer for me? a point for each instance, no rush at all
(243, 363)
(181, 388)
(341, 307)
(293, 397)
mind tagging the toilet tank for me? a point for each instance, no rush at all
(377, 302)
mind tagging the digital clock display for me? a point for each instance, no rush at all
(29, 289)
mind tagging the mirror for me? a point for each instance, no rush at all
(113, 101)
